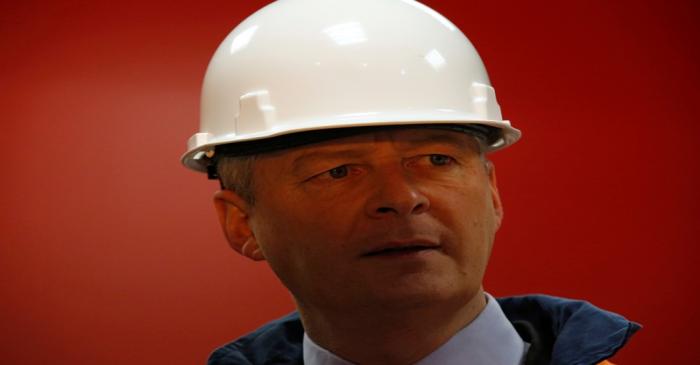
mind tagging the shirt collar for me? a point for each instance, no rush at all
(489, 339)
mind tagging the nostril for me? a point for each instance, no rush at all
(419, 208)
(395, 196)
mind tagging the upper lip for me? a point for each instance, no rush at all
(400, 245)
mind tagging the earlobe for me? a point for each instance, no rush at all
(232, 211)
(495, 197)
(252, 250)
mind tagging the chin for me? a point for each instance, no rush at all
(417, 295)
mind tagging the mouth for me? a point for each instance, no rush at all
(398, 249)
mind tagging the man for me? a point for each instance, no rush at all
(350, 139)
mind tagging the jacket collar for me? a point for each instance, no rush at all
(560, 331)
(566, 332)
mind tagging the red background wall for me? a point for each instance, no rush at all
(109, 249)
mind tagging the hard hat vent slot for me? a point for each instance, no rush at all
(483, 100)
(256, 113)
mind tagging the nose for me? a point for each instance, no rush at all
(394, 194)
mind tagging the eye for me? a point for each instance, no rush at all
(440, 160)
(338, 172)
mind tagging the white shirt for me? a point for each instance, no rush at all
(489, 339)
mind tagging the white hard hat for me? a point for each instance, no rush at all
(307, 65)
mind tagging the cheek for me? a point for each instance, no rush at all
(298, 235)
(468, 217)
(305, 249)
(468, 201)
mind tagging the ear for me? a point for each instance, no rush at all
(495, 197)
(232, 211)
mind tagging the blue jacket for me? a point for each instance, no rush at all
(560, 331)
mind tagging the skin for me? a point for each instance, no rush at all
(382, 238)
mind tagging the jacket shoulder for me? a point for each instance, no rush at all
(277, 342)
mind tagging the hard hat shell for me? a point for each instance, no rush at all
(305, 65)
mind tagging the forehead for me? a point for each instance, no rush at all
(400, 138)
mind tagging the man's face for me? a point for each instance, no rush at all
(392, 218)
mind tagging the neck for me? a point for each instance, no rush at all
(395, 336)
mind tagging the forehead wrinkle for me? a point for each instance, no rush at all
(329, 153)
(423, 137)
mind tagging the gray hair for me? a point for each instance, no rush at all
(236, 174)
